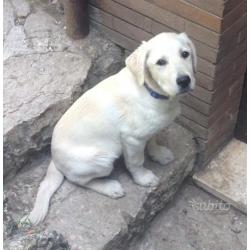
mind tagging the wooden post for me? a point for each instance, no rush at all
(77, 22)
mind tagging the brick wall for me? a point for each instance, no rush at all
(218, 29)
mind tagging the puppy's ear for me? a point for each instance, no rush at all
(136, 62)
(183, 36)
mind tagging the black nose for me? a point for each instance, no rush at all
(183, 81)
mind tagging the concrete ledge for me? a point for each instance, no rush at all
(92, 221)
(226, 175)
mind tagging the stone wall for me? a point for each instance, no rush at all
(218, 29)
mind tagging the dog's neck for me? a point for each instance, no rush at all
(154, 94)
(153, 88)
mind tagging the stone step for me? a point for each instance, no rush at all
(88, 220)
(226, 175)
(195, 220)
(44, 72)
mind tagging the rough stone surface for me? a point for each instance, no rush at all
(20, 238)
(91, 221)
(9, 224)
(195, 220)
(32, 240)
(226, 175)
(21, 7)
(8, 18)
(44, 72)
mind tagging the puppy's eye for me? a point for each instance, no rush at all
(161, 62)
(185, 54)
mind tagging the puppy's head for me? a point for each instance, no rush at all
(169, 60)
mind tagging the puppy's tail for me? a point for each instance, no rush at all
(48, 186)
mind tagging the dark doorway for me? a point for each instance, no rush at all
(241, 126)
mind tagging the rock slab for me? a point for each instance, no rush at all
(90, 221)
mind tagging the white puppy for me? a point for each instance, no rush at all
(120, 116)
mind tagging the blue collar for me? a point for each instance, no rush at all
(155, 94)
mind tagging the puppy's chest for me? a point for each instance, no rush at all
(148, 121)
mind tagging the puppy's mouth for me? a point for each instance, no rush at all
(184, 91)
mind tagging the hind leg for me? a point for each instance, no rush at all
(89, 174)
(105, 186)
(108, 187)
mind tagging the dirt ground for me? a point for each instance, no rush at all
(195, 220)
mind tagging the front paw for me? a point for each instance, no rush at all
(146, 178)
(161, 155)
